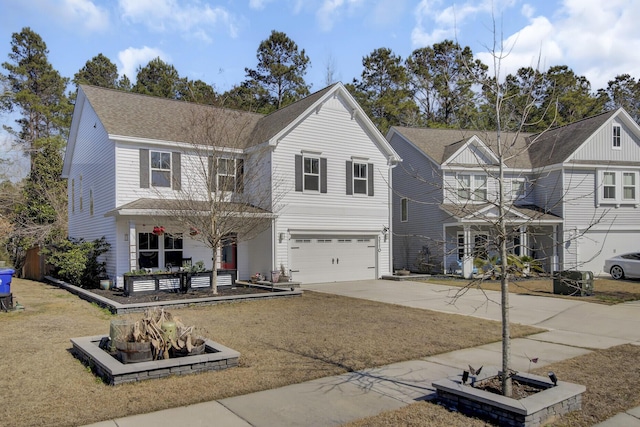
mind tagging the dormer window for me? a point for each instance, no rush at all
(616, 136)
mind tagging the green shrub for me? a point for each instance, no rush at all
(76, 261)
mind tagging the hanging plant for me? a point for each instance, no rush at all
(193, 231)
(158, 230)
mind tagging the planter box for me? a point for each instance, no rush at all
(176, 282)
(535, 410)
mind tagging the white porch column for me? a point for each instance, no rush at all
(467, 260)
(554, 256)
(524, 243)
(133, 247)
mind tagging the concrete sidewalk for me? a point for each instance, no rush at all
(575, 327)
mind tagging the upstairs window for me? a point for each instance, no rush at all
(230, 175)
(616, 136)
(359, 178)
(472, 187)
(609, 186)
(629, 186)
(160, 169)
(518, 188)
(618, 187)
(311, 173)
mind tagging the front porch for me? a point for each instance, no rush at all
(473, 240)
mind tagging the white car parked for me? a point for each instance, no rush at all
(625, 265)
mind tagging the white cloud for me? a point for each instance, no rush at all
(333, 10)
(78, 13)
(258, 4)
(434, 24)
(132, 57)
(532, 46)
(192, 18)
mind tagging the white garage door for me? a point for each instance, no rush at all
(317, 259)
(596, 246)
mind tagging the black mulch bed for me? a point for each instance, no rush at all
(118, 295)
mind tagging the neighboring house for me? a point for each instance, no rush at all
(324, 165)
(572, 194)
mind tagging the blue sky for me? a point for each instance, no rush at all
(214, 40)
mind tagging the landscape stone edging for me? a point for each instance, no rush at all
(114, 372)
(533, 410)
(118, 308)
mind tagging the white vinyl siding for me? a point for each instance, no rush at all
(94, 161)
(599, 146)
(333, 132)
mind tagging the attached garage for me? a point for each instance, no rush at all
(332, 258)
(596, 246)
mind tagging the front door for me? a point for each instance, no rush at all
(229, 253)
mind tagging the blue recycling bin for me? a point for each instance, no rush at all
(5, 280)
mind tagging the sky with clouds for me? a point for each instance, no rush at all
(214, 40)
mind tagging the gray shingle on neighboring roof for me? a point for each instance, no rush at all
(557, 144)
(523, 150)
(531, 212)
(441, 144)
(142, 116)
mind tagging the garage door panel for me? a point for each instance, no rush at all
(333, 258)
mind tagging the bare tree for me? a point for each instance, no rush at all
(226, 192)
(489, 206)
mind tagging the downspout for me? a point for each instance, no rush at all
(392, 165)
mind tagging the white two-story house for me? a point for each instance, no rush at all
(322, 168)
(571, 194)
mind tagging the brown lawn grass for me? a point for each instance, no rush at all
(605, 291)
(282, 342)
(611, 377)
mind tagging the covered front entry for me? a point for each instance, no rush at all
(332, 258)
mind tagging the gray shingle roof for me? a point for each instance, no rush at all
(169, 205)
(142, 116)
(530, 212)
(522, 150)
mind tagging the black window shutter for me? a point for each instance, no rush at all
(370, 178)
(349, 177)
(323, 175)
(212, 174)
(298, 172)
(239, 175)
(144, 168)
(176, 171)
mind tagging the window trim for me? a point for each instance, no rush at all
(616, 142)
(153, 169)
(618, 186)
(404, 209)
